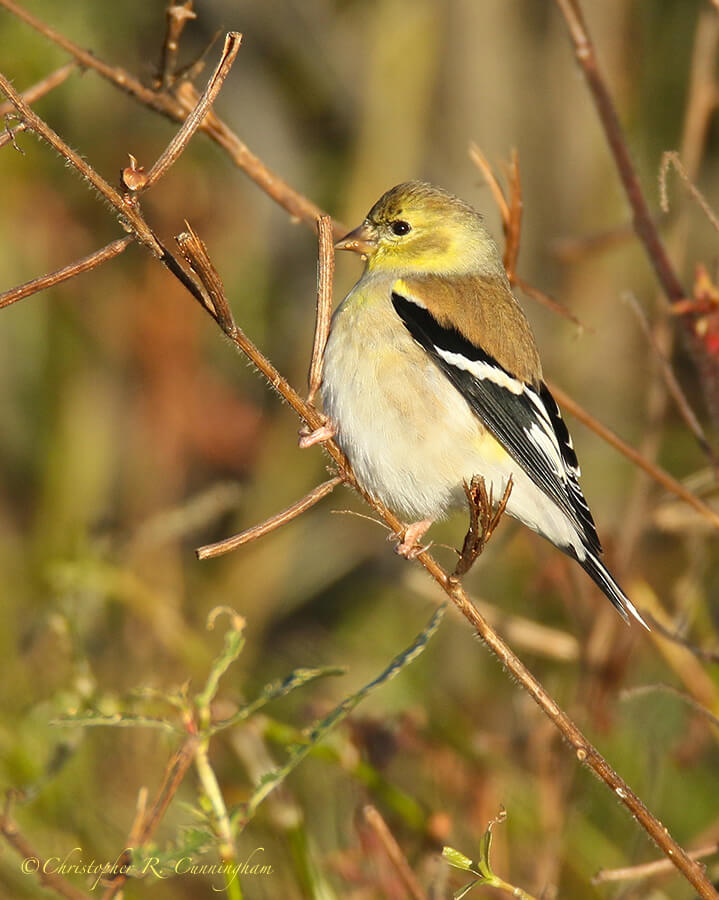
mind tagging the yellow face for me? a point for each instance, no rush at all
(416, 227)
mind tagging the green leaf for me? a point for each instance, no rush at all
(320, 729)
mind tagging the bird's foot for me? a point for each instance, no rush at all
(309, 438)
(410, 546)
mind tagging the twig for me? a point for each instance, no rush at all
(38, 90)
(109, 251)
(511, 215)
(194, 251)
(8, 137)
(32, 863)
(178, 15)
(127, 211)
(374, 819)
(194, 120)
(482, 163)
(672, 158)
(514, 223)
(645, 870)
(177, 108)
(325, 277)
(641, 690)
(549, 302)
(643, 222)
(670, 379)
(483, 520)
(175, 772)
(711, 656)
(210, 551)
(654, 471)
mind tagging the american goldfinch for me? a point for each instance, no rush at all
(431, 376)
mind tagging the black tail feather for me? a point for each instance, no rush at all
(601, 576)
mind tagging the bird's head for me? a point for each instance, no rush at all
(416, 227)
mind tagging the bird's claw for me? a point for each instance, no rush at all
(318, 436)
(409, 545)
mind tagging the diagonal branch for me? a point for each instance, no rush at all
(177, 108)
(194, 120)
(658, 474)
(109, 251)
(643, 222)
(209, 551)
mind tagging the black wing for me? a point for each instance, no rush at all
(526, 422)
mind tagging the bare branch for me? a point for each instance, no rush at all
(47, 876)
(178, 108)
(70, 271)
(178, 15)
(325, 278)
(175, 772)
(643, 222)
(483, 521)
(49, 83)
(645, 870)
(659, 475)
(670, 379)
(374, 819)
(125, 209)
(671, 158)
(482, 163)
(195, 253)
(194, 120)
(209, 551)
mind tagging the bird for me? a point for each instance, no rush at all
(432, 376)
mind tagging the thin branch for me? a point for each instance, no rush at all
(38, 90)
(126, 210)
(8, 137)
(178, 108)
(641, 690)
(212, 298)
(109, 251)
(671, 158)
(482, 163)
(209, 551)
(178, 15)
(514, 223)
(643, 222)
(511, 215)
(645, 870)
(32, 864)
(325, 278)
(548, 301)
(670, 379)
(374, 819)
(175, 772)
(711, 656)
(173, 150)
(483, 521)
(658, 474)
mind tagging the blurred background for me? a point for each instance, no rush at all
(132, 433)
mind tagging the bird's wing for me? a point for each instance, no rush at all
(524, 418)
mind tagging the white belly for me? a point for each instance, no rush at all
(411, 437)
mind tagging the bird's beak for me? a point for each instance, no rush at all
(362, 240)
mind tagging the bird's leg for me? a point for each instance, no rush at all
(410, 546)
(309, 438)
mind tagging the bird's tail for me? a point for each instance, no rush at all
(599, 573)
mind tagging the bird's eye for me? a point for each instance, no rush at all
(400, 227)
